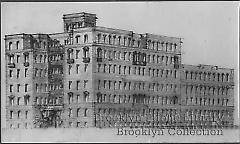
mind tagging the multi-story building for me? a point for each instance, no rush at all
(207, 93)
(91, 76)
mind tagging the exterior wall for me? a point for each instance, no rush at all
(157, 82)
(21, 81)
(100, 77)
(78, 93)
(40, 75)
(208, 91)
(48, 77)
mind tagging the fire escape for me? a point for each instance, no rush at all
(50, 112)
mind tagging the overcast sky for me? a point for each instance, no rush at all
(209, 29)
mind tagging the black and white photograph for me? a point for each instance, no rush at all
(160, 71)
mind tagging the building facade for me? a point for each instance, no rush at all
(92, 76)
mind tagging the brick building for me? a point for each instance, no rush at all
(91, 76)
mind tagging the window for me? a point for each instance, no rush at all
(227, 77)
(85, 38)
(124, 41)
(18, 100)
(18, 57)
(86, 96)
(11, 114)
(85, 67)
(26, 57)
(99, 66)
(10, 46)
(77, 54)
(45, 58)
(99, 38)
(18, 87)
(69, 69)
(78, 112)
(119, 69)
(85, 83)
(26, 87)
(69, 84)
(26, 99)
(85, 52)
(99, 53)
(129, 41)
(10, 88)
(70, 113)
(10, 73)
(36, 87)
(104, 38)
(109, 39)
(17, 44)
(104, 84)
(70, 97)
(78, 84)
(119, 40)
(85, 112)
(40, 58)
(78, 124)
(18, 72)
(26, 114)
(109, 68)
(25, 73)
(77, 39)
(11, 100)
(78, 98)
(77, 68)
(109, 54)
(114, 85)
(109, 84)
(44, 45)
(70, 53)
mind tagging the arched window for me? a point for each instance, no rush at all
(222, 77)
(119, 40)
(109, 39)
(99, 53)
(86, 96)
(85, 52)
(10, 46)
(85, 38)
(69, 53)
(40, 59)
(227, 77)
(70, 97)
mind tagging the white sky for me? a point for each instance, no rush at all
(210, 29)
